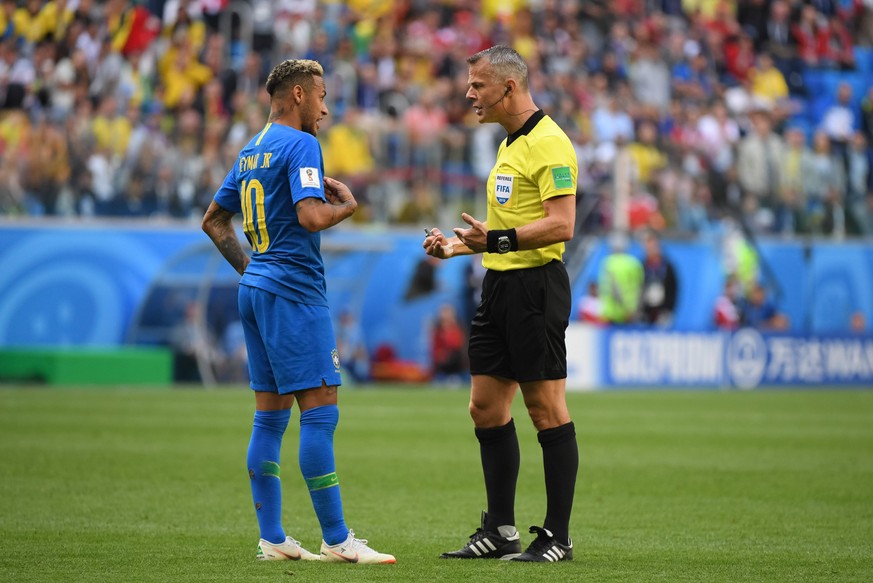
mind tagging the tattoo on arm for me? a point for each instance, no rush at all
(232, 250)
(223, 235)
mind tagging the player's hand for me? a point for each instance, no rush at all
(337, 192)
(476, 237)
(436, 245)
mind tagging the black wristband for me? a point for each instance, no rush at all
(494, 236)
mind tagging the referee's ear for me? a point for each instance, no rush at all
(511, 86)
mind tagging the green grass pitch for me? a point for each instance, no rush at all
(140, 485)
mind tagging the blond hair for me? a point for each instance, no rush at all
(293, 72)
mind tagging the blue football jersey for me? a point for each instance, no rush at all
(277, 169)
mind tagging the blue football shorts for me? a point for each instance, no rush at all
(290, 346)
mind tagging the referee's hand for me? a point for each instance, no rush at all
(436, 245)
(476, 237)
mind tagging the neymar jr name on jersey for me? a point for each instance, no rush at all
(247, 163)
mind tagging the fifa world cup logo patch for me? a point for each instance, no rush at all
(309, 178)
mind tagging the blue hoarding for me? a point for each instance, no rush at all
(744, 359)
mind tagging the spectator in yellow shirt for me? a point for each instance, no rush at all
(7, 19)
(55, 17)
(646, 155)
(28, 23)
(348, 142)
(348, 155)
(184, 24)
(182, 75)
(768, 84)
(15, 128)
(111, 129)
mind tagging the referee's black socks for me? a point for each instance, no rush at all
(560, 464)
(498, 447)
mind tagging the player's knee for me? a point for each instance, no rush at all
(325, 417)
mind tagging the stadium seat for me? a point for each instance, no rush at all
(813, 80)
(864, 59)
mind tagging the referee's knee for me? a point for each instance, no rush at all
(488, 415)
(477, 412)
(547, 417)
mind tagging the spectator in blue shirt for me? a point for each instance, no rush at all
(757, 310)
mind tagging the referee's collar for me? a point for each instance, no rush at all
(529, 125)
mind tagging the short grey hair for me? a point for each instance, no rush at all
(505, 63)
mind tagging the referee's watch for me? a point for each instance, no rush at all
(502, 241)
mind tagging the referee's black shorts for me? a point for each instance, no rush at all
(519, 328)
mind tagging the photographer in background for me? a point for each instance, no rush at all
(659, 283)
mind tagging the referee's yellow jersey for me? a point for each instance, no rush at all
(534, 164)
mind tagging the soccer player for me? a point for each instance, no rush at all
(278, 184)
(517, 333)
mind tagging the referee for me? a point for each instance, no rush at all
(517, 334)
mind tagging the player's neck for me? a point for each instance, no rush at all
(286, 118)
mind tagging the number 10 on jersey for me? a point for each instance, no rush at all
(252, 197)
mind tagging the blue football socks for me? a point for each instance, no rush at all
(263, 464)
(317, 464)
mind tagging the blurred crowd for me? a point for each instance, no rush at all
(700, 107)
(645, 290)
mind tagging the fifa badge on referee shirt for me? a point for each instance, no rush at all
(503, 188)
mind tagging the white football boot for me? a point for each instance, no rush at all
(354, 550)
